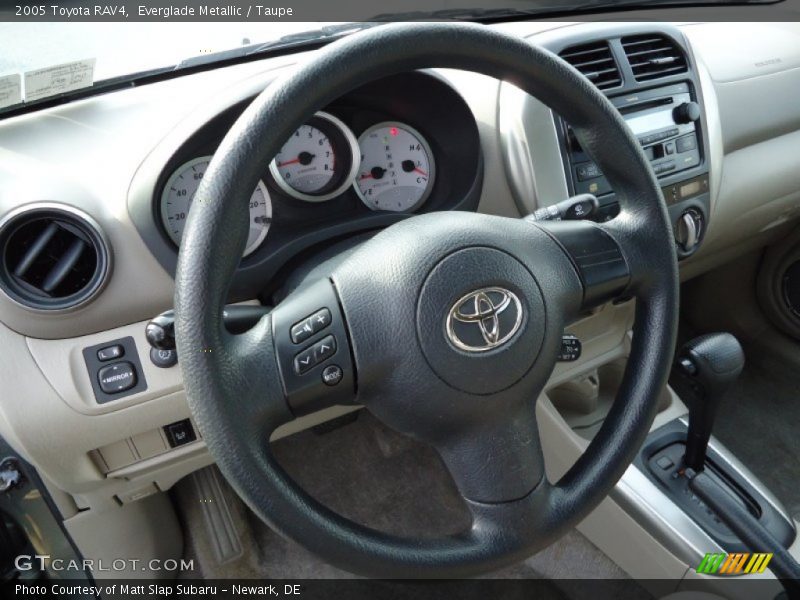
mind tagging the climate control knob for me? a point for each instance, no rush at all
(689, 229)
(687, 112)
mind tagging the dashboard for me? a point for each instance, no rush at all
(107, 182)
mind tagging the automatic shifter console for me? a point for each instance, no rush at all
(706, 368)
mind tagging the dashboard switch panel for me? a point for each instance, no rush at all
(115, 370)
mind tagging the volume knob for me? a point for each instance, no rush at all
(687, 112)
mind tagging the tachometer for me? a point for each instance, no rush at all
(397, 168)
(319, 161)
(179, 193)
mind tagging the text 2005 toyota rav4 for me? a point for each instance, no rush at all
(505, 302)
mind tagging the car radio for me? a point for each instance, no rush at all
(664, 122)
(667, 123)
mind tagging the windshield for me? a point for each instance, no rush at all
(126, 48)
(40, 60)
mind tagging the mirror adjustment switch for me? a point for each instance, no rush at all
(117, 377)
(114, 369)
(110, 353)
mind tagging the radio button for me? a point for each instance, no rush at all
(664, 167)
(687, 112)
(686, 143)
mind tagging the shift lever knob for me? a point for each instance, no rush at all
(712, 363)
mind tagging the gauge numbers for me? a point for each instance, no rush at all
(319, 161)
(397, 168)
(179, 193)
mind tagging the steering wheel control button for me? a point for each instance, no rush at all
(110, 353)
(180, 433)
(324, 349)
(570, 348)
(163, 359)
(320, 319)
(117, 378)
(309, 383)
(304, 361)
(304, 329)
(332, 375)
(316, 354)
(114, 369)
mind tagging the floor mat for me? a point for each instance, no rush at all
(759, 420)
(374, 476)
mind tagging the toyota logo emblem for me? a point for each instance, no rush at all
(484, 319)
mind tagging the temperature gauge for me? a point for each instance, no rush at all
(397, 168)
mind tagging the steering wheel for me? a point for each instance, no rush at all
(445, 326)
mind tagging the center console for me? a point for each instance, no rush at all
(666, 121)
(650, 77)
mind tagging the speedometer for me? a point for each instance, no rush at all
(397, 168)
(319, 161)
(179, 193)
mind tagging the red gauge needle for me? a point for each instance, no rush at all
(367, 176)
(304, 158)
(420, 171)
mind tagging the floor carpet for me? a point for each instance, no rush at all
(374, 476)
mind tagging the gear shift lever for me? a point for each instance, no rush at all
(712, 363)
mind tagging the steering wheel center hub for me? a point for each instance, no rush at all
(480, 320)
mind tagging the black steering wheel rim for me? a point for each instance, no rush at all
(225, 375)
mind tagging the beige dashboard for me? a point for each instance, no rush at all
(94, 154)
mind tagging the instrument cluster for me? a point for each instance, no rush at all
(403, 145)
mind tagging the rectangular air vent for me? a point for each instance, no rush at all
(653, 56)
(596, 62)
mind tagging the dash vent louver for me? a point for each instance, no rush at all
(652, 56)
(596, 62)
(53, 258)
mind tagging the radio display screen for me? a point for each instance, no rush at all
(647, 122)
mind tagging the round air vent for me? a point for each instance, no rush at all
(53, 257)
